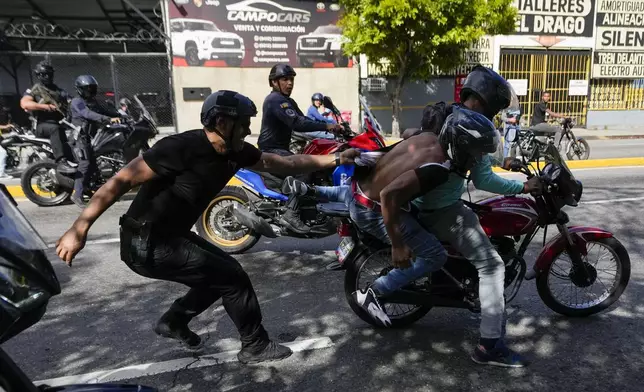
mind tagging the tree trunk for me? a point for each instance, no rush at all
(396, 108)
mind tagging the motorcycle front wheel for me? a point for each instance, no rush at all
(366, 268)
(604, 286)
(48, 191)
(218, 226)
(578, 149)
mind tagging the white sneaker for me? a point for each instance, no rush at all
(369, 302)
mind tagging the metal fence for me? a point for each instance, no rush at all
(616, 94)
(120, 75)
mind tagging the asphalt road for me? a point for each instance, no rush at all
(103, 320)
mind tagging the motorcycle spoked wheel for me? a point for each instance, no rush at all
(217, 225)
(378, 262)
(578, 149)
(44, 172)
(551, 274)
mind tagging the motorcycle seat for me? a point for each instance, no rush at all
(271, 181)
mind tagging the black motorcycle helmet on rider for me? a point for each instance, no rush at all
(491, 88)
(226, 103)
(86, 86)
(44, 72)
(317, 97)
(467, 136)
(279, 71)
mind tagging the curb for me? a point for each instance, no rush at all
(16, 190)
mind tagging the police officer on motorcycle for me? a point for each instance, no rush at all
(88, 114)
(281, 116)
(48, 102)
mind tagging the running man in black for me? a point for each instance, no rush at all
(180, 175)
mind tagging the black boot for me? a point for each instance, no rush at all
(292, 186)
(174, 325)
(291, 220)
(259, 348)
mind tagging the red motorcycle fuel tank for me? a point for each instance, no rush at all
(321, 147)
(510, 215)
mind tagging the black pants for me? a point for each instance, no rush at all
(57, 137)
(84, 154)
(208, 271)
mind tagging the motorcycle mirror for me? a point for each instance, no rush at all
(328, 103)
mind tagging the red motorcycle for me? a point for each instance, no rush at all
(567, 266)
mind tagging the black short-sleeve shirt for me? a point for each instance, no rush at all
(190, 174)
(539, 115)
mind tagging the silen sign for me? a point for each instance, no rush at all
(256, 33)
(555, 17)
(619, 39)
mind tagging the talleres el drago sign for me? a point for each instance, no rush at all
(255, 33)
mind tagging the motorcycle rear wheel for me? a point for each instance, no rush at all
(623, 263)
(209, 224)
(355, 269)
(46, 184)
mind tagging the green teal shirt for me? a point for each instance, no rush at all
(483, 179)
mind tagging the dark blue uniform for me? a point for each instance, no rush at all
(89, 115)
(281, 116)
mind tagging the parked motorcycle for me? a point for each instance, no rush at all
(507, 219)
(23, 149)
(27, 282)
(114, 146)
(238, 216)
(570, 145)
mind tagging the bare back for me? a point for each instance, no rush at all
(406, 155)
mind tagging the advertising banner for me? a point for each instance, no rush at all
(619, 38)
(562, 18)
(255, 33)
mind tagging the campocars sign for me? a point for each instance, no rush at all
(619, 42)
(555, 17)
(256, 33)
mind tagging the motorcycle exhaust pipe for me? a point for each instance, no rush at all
(248, 219)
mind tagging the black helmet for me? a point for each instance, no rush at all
(495, 92)
(44, 72)
(279, 71)
(227, 103)
(466, 136)
(317, 97)
(86, 86)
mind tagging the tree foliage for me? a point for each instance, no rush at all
(417, 37)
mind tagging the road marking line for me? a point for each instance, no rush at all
(149, 369)
(611, 200)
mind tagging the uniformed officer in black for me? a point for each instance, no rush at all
(281, 116)
(48, 102)
(89, 114)
(179, 176)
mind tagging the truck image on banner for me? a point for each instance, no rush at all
(256, 33)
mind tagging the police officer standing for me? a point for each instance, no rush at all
(48, 102)
(281, 116)
(89, 115)
(179, 176)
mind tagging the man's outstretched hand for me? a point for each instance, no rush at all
(348, 157)
(68, 246)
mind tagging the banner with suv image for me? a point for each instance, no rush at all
(256, 33)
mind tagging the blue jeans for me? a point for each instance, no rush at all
(430, 254)
(341, 193)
